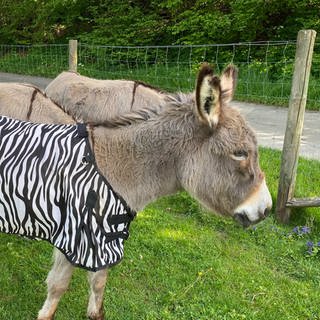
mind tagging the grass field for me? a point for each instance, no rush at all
(184, 263)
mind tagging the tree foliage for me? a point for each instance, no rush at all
(146, 22)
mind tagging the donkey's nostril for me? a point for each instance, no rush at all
(263, 215)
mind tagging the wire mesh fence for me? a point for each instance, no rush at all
(37, 60)
(265, 68)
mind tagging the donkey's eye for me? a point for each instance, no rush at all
(240, 155)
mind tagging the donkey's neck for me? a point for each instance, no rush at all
(141, 165)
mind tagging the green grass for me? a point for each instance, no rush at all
(183, 263)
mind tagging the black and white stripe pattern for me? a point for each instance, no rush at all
(50, 188)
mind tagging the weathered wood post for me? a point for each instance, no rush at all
(297, 104)
(73, 55)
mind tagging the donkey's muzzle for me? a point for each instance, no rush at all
(242, 219)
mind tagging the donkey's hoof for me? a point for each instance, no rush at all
(99, 316)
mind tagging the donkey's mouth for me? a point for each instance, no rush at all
(242, 219)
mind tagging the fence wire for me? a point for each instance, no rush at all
(265, 68)
(36, 60)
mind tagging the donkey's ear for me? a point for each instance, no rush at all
(228, 83)
(208, 92)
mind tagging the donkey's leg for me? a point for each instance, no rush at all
(57, 281)
(97, 281)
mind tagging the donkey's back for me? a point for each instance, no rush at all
(27, 102)
(92, 100)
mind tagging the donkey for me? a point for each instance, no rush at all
(89, 99)
(25, 102)
(204, 147)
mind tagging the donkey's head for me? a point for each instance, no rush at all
(201, 145)
(222, 169)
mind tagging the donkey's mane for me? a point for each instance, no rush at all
(147, 85)
(127, 119)
(32, 86)
(174, 102)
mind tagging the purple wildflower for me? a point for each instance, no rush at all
(318, 244)
(295, 230)
(305, 229)
(309, 244)
(310, 247)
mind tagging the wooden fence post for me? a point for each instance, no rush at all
(297, 103)
(73, 55)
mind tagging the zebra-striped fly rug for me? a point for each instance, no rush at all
(51, 189)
